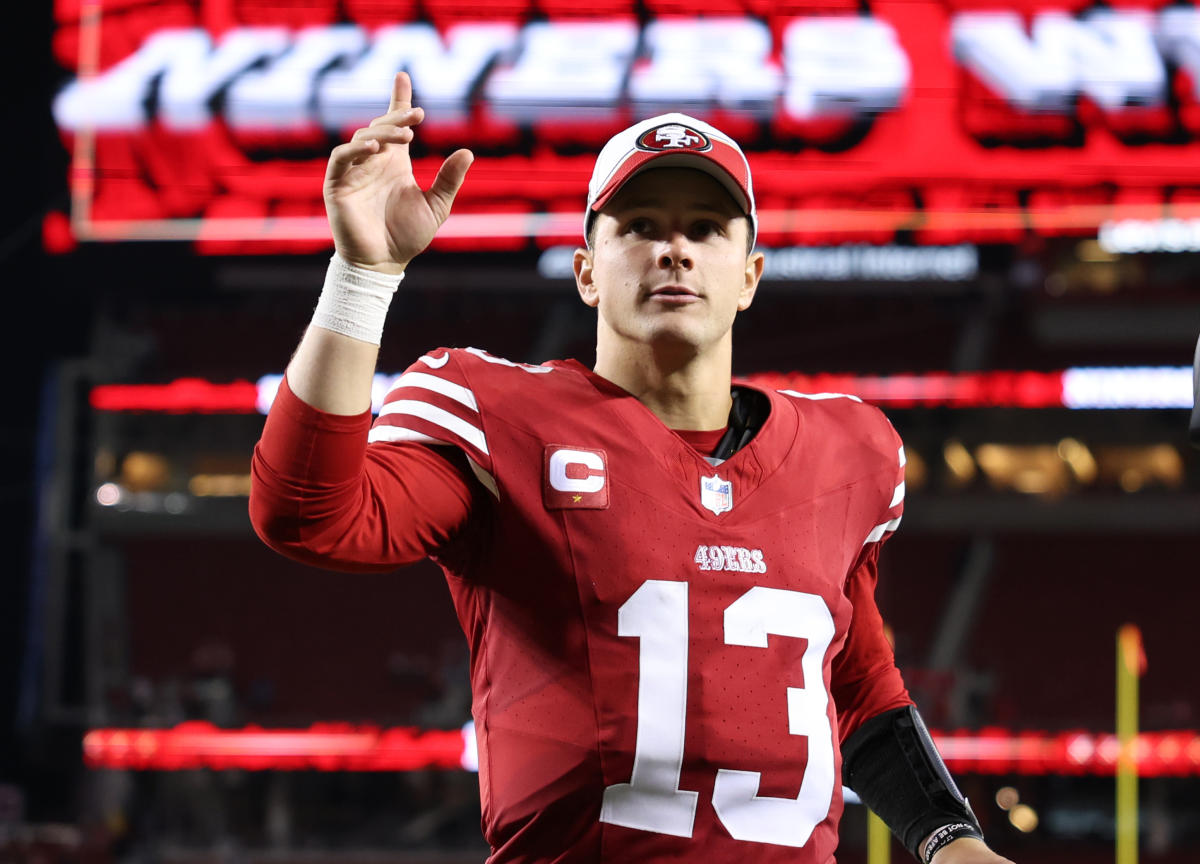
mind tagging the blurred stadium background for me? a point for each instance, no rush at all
(982, 216)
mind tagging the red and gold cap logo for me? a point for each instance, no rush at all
(673, 136)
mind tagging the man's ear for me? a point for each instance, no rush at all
(582, 264)
(754, 271)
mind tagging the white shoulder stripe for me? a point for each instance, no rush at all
(819, 396)
(400, 433)
(435, 384)
(473, 435)
(879, 530)
(898, 495)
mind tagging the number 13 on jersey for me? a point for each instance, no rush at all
(657, 615)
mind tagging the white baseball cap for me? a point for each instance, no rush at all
(670, 141)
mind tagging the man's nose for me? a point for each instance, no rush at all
(675, 252)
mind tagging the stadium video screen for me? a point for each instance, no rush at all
(933, 121)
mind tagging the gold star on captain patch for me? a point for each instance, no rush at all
(577, 498)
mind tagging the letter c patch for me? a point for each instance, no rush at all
(574, 478)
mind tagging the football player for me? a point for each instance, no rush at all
(666, 577)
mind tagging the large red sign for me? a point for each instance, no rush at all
(210, 120)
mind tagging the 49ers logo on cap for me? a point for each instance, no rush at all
(673, 136)
(574, 478)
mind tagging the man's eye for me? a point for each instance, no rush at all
(705, 228)
(640, 226)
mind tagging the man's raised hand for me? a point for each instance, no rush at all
(380, 217)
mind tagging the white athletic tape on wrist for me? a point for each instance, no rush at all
(355, 300)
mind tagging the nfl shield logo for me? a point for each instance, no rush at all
(716, 494)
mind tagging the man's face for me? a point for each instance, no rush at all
(669, 263)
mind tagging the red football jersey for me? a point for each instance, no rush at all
(661, 648)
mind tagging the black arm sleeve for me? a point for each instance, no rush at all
(892, 764)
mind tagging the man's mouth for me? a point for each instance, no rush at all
(674, 291)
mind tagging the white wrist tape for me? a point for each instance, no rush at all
(355, 300)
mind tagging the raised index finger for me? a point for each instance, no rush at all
(401, 92)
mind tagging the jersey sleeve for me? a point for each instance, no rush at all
(865, 680)
(320, 496)
(433, 403)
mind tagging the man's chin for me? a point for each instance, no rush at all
(675, 340)
(669, 335)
